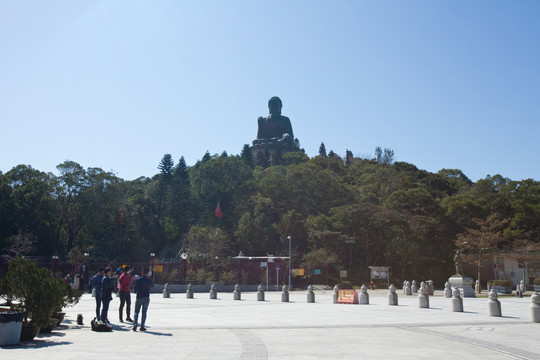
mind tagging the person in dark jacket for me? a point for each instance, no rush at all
(142, 288)
(107, 288)
(96, 284)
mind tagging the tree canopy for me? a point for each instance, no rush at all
(349, 212)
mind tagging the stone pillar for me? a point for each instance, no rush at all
(494, 305)
(364, 296)
(166, 291)
(430, 287)
(414, 288)
(336, 294)
(189, 292)
(408, 290)
(477, 287)
(285, 293)
(236, 293)
(260, 293)
(488, 286)
(423, 297)
(404, 287)
(447, 290)
(457, 301)
(535, 307)
(310, 294)
(392, 295)
(213, 291)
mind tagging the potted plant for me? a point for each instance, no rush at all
(502, 286)
(34, 293)
(67, 297)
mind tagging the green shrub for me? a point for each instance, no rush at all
(501, 283)
(228, 277)
(36, 292)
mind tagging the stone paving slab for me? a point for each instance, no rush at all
(200, 328)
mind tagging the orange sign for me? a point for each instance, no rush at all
(347, 297)
(158, 268)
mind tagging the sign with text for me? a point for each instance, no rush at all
(298, 272)
(379, 272)
(158, 268)
(347, 297)
(317, 271)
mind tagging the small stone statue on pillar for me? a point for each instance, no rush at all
(392, 295)
(285, 293)
(189, 291)
(408, 290)
(459, 280)
(310, 294)
(213, 292)
(237, 295)
(336, 294)
(447, 290)
(414, 288)
(494, 305)
(535, 307)
(423, 297)
(457, 301)
(260, 293)
(166, 291)
(364, 296)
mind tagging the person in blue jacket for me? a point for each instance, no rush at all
(107, 288)
(142, 288)
(96, 284)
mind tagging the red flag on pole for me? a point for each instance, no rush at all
(218, 211)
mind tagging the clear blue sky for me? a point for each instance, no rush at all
(117, 84)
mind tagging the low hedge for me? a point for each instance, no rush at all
(501, 283)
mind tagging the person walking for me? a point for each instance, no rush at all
(106, 295)
(124, 281)
(142, 288)
(96, 284)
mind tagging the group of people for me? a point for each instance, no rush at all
(103, 286)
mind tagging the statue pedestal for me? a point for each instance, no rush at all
(272, 148)
(464, 284)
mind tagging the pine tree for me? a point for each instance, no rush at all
(322, 150)
(247, 156)
(348, 157)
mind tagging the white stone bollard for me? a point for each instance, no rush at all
(423, 297)
(236, 293)
(447, 290)
(404, 287)
(189, 292)
(430, 287)
(457, 301)
(414, 288)
(310, 294)
(535, 307)
(285, 293)
(392, 295)
(408, 290)
(494, 305)
(364, 296)
(260, 293)
(213, 291)
(166, 291)
(336, 294)
(477, 287)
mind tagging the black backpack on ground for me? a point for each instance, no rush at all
(100, 327)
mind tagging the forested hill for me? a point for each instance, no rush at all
(348, 213)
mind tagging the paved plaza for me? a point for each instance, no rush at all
(200, 328)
